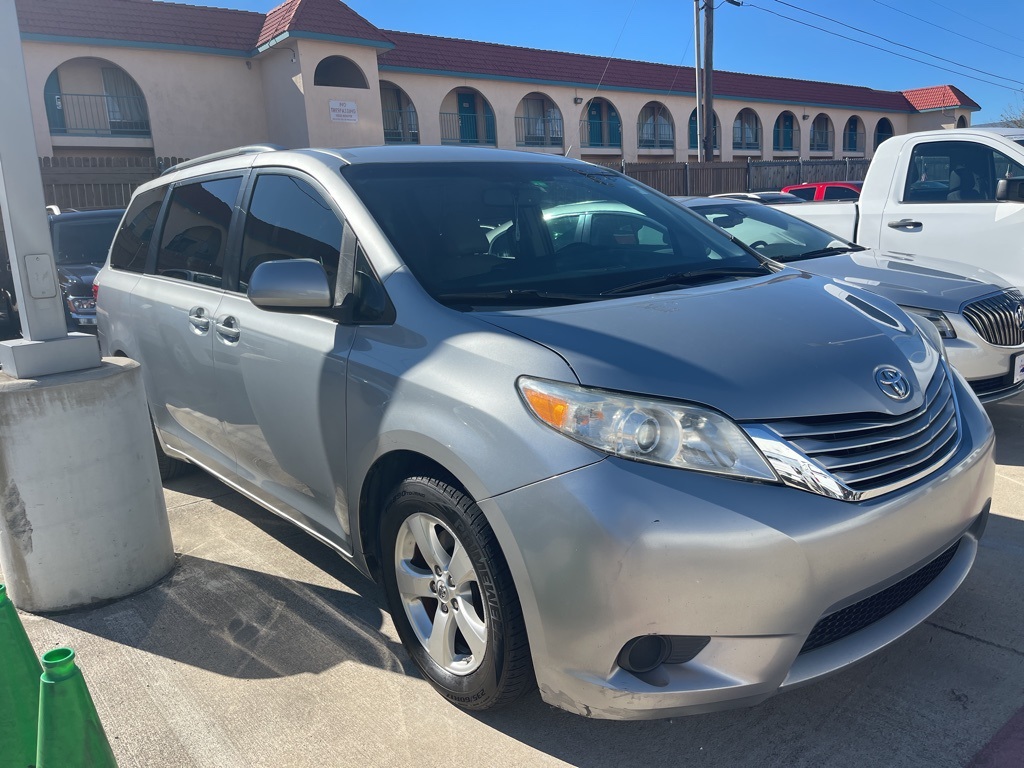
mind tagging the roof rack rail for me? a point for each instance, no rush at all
(249, 149)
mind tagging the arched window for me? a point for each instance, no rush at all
(602, 126)
(654, 128)
(961, 122)
(115, 107)
(467, 118)
(401, 123)
(538, 122)
(786, 134)
(746, 131)
(883, 131)
(339, 72)
(853, 136)
(821, 134)
(716, 131)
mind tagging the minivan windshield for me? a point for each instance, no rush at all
(481, 235)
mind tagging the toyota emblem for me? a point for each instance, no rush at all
(893, 383)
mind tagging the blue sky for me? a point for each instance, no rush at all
(750, 39)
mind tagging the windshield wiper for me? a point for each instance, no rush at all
(513, 295)
(684, 278)
(830, 251)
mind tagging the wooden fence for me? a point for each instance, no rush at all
(742, 175)
(97, 182)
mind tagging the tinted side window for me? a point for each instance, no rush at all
(840, 193)
(131, 245)
(289, 219)
(807, 193)
(953, 171)
(196, 232)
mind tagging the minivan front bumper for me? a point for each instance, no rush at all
(619, 549)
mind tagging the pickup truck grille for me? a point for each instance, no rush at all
(998, 319)
(875, 453)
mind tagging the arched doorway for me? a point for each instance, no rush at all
(538, 122)
(655, 129)
(94, 97)
(786, 133)
(601, 126)
(883, 131)
(467, 118)
(401, 123)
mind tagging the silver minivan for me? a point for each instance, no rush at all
(623, 458)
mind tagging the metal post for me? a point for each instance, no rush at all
(46, 346)
(709, 86)
(698, 88)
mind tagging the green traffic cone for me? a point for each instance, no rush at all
(19, 689)
(70, 733)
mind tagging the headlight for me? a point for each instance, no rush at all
(83, 304)
(654, 431)
(939, 320)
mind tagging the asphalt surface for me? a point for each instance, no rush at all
(263, 648)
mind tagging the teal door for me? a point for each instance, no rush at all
(614, 129)
(468, 133)
(54, 104)
(594, 120)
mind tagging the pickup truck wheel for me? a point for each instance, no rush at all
(451, 595)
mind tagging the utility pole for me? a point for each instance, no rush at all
(699, 76)
(709, 71)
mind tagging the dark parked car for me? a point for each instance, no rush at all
(81, 240)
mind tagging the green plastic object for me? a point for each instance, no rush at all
(19, 689)
(70, 733)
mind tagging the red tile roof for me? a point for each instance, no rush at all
(141, 21)
(441, 54)
(162, 23)
(326, 17)
(939, 96)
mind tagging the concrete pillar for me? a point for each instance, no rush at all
(82, 515)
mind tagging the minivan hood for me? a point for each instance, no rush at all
(912, 281)
(784, 346)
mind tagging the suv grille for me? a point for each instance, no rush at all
(998, 319)
(856, 617)
(873, 452)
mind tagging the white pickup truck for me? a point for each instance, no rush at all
(956, 195)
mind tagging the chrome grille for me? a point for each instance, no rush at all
(998, 319)
(873, 453)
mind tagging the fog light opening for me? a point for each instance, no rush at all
(644, 654)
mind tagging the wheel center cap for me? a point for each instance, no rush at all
(442, 591)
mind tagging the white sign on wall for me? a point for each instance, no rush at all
(344, 112)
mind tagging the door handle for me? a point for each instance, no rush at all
(906, 224)
(199, 319)
(227, 328)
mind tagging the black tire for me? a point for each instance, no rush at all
(169, 468)
(503, 671)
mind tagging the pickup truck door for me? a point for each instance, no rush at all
(942, 204)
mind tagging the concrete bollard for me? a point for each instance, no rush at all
(82, 515)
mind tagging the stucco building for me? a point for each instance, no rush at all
(142, 77)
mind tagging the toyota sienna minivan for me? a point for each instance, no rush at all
(619, 457)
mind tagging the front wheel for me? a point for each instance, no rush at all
(451, 595)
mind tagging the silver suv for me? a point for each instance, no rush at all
(621, 456)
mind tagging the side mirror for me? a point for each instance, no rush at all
(293, 284)
(1010, 189)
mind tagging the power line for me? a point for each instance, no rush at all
(879, 48)
(901, 45)
(947, 29)
(979, 23)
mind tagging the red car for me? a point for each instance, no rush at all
(826, 190)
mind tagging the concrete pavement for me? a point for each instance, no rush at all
(263, 648)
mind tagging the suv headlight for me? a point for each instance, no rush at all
(938, 319)
(661, 432)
